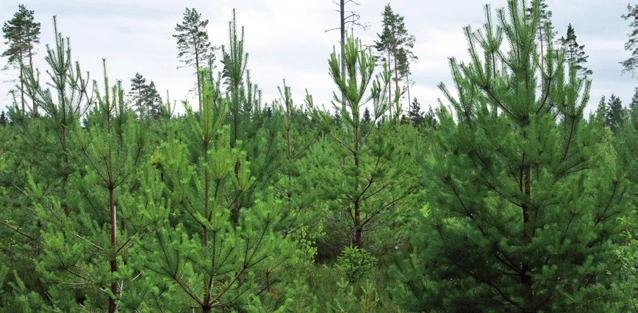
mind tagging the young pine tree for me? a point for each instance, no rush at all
(250, 129)
(525, 199)
(199, 256)
(85, 243)
(365, 181)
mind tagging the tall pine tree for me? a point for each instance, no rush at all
(21, 33)
(574, 53)
(194, 48)
(630, 64)
(394, 45)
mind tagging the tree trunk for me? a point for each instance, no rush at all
(407, 87)
(22, 84)
(357, 239)
(396, 74)
(34, 104)
(206, 308)
(114, 289)
(525, 277)
(342, 29)
(199, 82)
(389, 87)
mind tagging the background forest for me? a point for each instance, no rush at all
(505, 198)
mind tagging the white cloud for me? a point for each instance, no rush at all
(287, 39)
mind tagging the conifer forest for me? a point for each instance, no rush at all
(516, 192)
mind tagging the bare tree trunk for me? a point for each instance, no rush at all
(407, 86)
(199, 81)
(34, 104)
(22, 84)
(396, 75)
(389, 87)
(342, 29)
(114, 288)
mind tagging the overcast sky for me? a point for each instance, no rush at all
(287, 39)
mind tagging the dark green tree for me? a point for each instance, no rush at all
(193, 45)
(600, 115)
(394, 45)
(631, 45)
(574, 53)
(415, 115)
(525, 198)
(144, 98)
(21, 33)
(615, 117)
(633, 107)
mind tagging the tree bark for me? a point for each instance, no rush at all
(22, 84)
(34, 104)
(114, 288)
(396, 72)
(525, 277)
(389, 86)
(342, 28)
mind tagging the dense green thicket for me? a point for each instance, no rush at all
(505, 200)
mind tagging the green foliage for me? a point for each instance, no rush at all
(144, 98)
(193, 45)
(355, 263)
(574, 53)
(630, 64)
(506, 201)
(20, 34)
(525, 197)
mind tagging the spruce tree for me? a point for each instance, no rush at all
(144, 98)
(21, 33)
(414, 114)
(194, 48)
(615, 117)
(602, 111)
(574, 53)
(525, 199)
(630, 64)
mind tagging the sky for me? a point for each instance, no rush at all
(287, 39)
